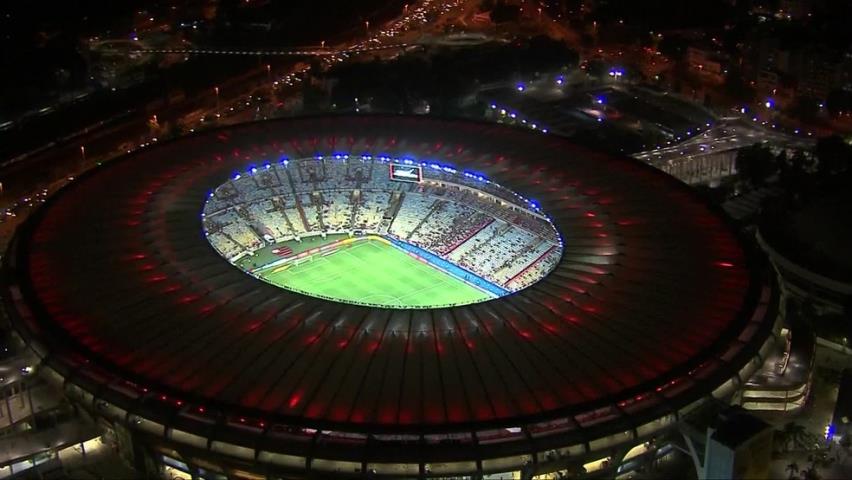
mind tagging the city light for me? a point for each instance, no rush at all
(628, 222)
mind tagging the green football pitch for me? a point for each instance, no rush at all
(373, 272)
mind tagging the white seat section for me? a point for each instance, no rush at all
(460, 218)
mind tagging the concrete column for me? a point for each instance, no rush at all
(8, 407)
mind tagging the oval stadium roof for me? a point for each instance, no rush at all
(652, 300)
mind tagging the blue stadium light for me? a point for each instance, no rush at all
(513, 115)
(211, 195)
(600, 100)
(284, 161)
(521, 87)
(493, 106)
(533, 204)
(318, 157)
(366, 156)
(600, 120)
(560, 80)
(474, 175)
(237, 176)
(267, 165)
(543, 130)
(408, 161)
(253, 169)
(769, 103)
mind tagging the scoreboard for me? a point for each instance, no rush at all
(406, 173)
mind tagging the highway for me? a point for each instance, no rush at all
(730, 134)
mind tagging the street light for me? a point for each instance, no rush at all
(83, 153)
(216, 89)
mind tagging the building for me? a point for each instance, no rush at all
(818, 74)
(812, 260)
(707, 62)
(739, 447)
(654, 309)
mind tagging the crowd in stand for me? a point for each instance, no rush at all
(447, 214)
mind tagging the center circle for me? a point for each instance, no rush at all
(380, 231)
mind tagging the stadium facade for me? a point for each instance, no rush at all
(653, 309)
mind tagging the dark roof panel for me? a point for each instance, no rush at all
(652, 284)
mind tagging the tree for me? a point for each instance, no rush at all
(833, 155)
(793, 470)
(839, 101)
(805, 108)
(673, 46)
(810, 473)
(846, 444)
(793, 436)
(486, 5)
(503, 13)
(755, 164)
(736, 87)
(542, 53)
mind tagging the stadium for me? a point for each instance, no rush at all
(387, 297)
